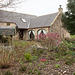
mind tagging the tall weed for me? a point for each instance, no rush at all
(6, 58)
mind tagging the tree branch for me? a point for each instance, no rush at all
(10, 3)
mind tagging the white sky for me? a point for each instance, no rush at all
(40, 7)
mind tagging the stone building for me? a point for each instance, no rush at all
(29, 26)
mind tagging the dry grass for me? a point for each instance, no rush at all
(6, 57)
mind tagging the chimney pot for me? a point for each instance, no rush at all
(60, 8)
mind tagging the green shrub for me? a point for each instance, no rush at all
(70, 43)
(39, 73)
(28, 56)
(70, 39)
(62, 49)
(37, 51)
(69, 62)
(56, 66)
(35, 69)
(57, 59)
(30, 64)
(69, 52)
(72, 36)
(30, 71)
(34, 51)
(46, 62)
(34, 58)
(43, 66)
(8, 73)
(24, 44)
(51, 56)
(73, 73)
(57, 55)
(73, 53)
(41, 51)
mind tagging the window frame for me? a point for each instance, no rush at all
(8, 24)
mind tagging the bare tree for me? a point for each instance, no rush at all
(10, 3)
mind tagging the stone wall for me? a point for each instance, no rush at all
(5, 24)
(25, 35)
(36, 30)
(16, 37)
(57, 26)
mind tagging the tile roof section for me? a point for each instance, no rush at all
(43, 21)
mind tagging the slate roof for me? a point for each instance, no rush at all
(31, 20)
(43, 21)
(13, 17)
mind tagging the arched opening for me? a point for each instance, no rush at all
(31, 35)
(41, 31)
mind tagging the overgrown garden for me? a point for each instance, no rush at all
(48, 55)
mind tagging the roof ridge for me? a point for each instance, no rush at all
(17, 13)
(44, 15)
(48, 14)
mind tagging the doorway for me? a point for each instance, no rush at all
(31, 36)
(21, 34)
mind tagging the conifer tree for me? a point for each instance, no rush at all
(68, 17)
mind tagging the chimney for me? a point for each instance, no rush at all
(60, 9)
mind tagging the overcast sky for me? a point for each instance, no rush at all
(40, 7)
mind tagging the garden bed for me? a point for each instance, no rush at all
(42, 61)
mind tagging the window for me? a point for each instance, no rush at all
(24, 20)
(31, 35)
(8, 24)
(41, 31)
